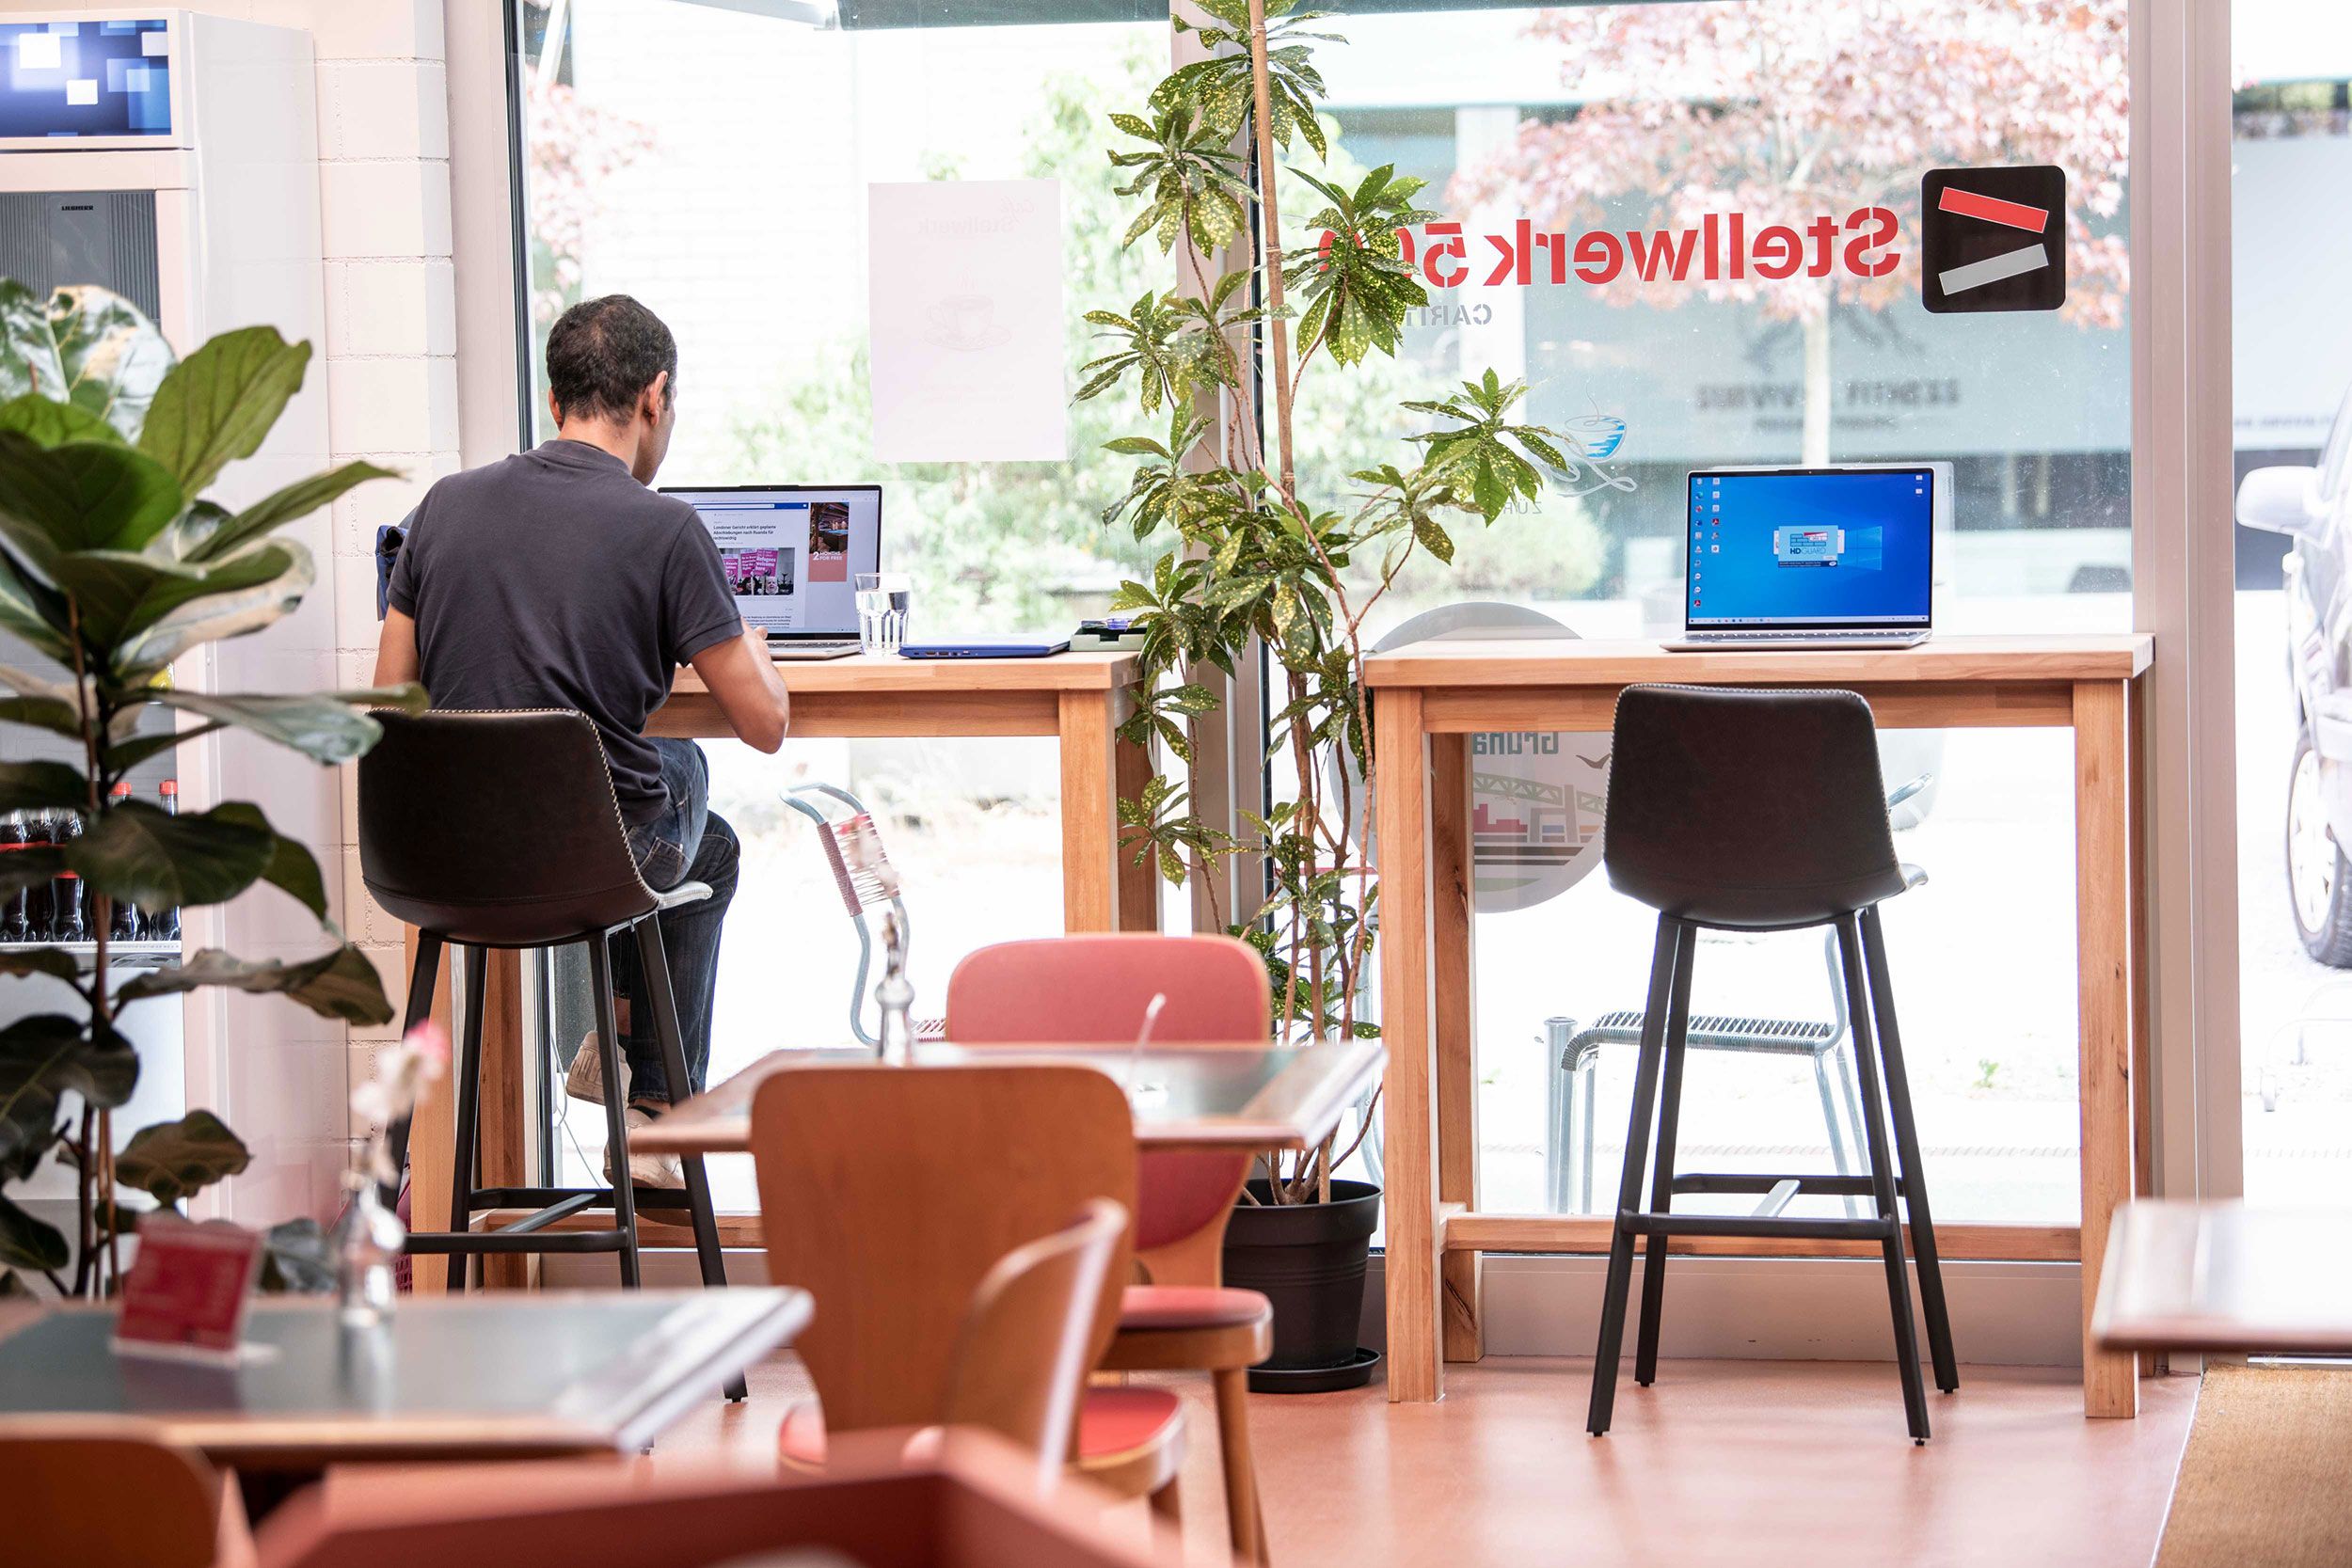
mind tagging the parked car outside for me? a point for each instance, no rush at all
(2312, 506)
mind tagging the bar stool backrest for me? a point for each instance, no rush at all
(498, 828)
(1755, 809)
(890, 1193)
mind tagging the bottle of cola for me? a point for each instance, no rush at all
(164, 925)
(37, 898)
(124, 924)
(14, 926)
(67, 919)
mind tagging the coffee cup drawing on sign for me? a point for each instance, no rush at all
(966, 324)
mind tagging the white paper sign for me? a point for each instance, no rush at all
(965, 306)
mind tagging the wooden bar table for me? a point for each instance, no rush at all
(1077, 699)
(2225, 1278)
(1429, 698)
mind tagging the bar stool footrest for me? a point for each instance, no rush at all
(1754, 1225)
(1828, 1186)
(469, 1243)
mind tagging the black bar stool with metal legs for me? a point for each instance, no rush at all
(500, 829)
(1760, 811)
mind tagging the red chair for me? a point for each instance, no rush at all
(1076, 989)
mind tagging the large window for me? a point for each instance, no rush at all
(713, 161)
(1637, 122)
(2292, 337)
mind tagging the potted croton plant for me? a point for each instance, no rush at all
(1252, 558)
(115, 561)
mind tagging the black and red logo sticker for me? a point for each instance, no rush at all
(1993, 239)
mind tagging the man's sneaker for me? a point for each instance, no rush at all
(585, 1081)
(646, 1170)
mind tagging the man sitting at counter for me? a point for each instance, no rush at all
(557, 579)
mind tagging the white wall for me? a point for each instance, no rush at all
(389, 359)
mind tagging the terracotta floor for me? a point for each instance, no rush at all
(1748, 1462)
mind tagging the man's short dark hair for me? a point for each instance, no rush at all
(602, 354)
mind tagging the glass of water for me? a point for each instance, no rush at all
(882, 598)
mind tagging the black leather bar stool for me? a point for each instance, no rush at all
(500, 829)
(1760, 811)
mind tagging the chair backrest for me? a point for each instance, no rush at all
(1072, 991)
(64, 1494)
(890, 1193)
(1021, 1359)
(1749, 809)
(496, 828)
(863, 875)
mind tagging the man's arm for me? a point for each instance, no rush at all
(742, 680)
(396, 649)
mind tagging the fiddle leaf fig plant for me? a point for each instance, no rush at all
(1252, 561)
(113, 562)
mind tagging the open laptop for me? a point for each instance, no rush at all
(792, 553)
(1811, 558)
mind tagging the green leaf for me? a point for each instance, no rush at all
(157, 859)
(82, 345)
(1434, 539)
(54, 962)
(43, 786)
(291, 868)
(44, 1056)
(218, 403)
(298, 499)
(174, 1160)
(125, 755)
(35, 613)
(340, 985)
(27, 1243)
(222, 610)
(120, 594)
(28, 867)
(328, 726)
(82, 496)
(50, 423)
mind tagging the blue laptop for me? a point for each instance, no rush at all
(1811, 558)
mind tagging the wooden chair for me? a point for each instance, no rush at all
(1183, 1318)
(969, 1505)
(892, 1191)
(101, 1495)
(1026, 1345)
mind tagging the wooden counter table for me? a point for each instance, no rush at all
(1078, 699)
(1430, 697)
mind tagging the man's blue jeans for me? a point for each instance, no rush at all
(685, 843)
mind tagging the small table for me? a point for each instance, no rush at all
(453, 1378)
(2224, 1277)
(1430, 698)
(1076, 699)
(1239, 1099)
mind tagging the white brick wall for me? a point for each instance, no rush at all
(389, 359)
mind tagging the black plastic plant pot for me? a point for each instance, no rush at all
(1308, 1260)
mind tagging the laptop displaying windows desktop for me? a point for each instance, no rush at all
(792, 553)
(1799, 558)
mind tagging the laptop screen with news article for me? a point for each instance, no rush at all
(1799, 548)
(792, 553)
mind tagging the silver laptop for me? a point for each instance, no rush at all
(792, 553)
(1812, 558)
